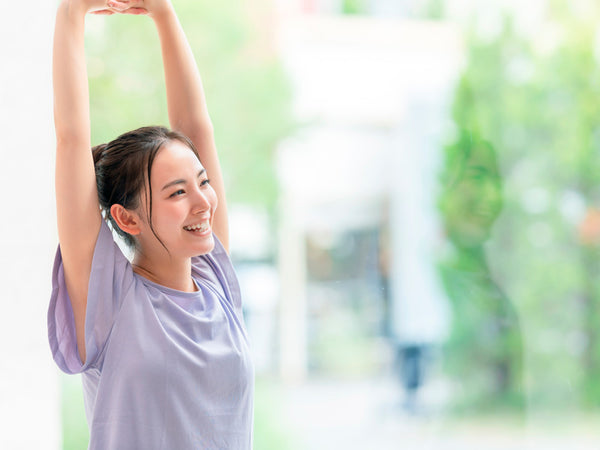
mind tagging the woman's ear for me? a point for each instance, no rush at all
(127, 220)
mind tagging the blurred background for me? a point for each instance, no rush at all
(415, 214)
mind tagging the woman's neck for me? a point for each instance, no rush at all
(174, 274)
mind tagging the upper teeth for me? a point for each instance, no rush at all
(197, 227)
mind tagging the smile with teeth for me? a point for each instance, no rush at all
(200, 227)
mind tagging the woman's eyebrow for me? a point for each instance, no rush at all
(180, 181)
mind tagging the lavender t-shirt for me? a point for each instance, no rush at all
(164, 369)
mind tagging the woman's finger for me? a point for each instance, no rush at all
(103, 12)
(118, 5)
(135, 11)
(133, 4)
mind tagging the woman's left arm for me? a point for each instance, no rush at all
(186, 102)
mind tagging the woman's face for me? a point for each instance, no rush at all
(183, 204)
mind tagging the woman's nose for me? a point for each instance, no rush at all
(201, 202)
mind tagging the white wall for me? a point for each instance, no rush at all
(29, 404)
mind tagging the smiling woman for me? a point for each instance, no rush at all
(162, 156)
(160, 341)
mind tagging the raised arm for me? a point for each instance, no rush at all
(77, 208)
(186, 103)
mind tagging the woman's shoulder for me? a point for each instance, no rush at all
(111, 278)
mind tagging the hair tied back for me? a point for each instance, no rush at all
(98, 152)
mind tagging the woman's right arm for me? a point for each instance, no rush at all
(77, 207)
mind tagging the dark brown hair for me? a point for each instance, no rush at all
(124, 165)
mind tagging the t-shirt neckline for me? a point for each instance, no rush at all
(168, 290)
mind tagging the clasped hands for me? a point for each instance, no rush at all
(136, 7)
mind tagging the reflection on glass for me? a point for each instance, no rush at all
(484, 350)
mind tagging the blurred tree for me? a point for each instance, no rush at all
(536, 101)
(247, 92)
(574, 74)
(484, 351)
(353, 7)
(432, 9)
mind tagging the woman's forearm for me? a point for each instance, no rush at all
(69, 75)
(76, 199)
(187, 108)
(185, 95)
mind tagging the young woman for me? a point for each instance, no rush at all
(160, 340)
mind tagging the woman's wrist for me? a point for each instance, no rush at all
(76, 9)
(164, 18)
(72, 11)
(164, 14)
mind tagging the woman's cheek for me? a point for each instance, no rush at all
(171, 214)
(214, 200)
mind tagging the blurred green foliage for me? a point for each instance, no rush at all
(247, 91)
(533, 95)
(75, 432)
(353, 7)
(484, 350)
(271, 431)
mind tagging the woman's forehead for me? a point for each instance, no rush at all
(175, 159)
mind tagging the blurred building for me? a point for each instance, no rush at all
(371, 96)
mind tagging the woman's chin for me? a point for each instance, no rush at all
(205, 245)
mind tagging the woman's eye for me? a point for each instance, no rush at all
(205, 182)
(179, 192)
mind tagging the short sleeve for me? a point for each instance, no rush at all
(216, 267)
(111, 278)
